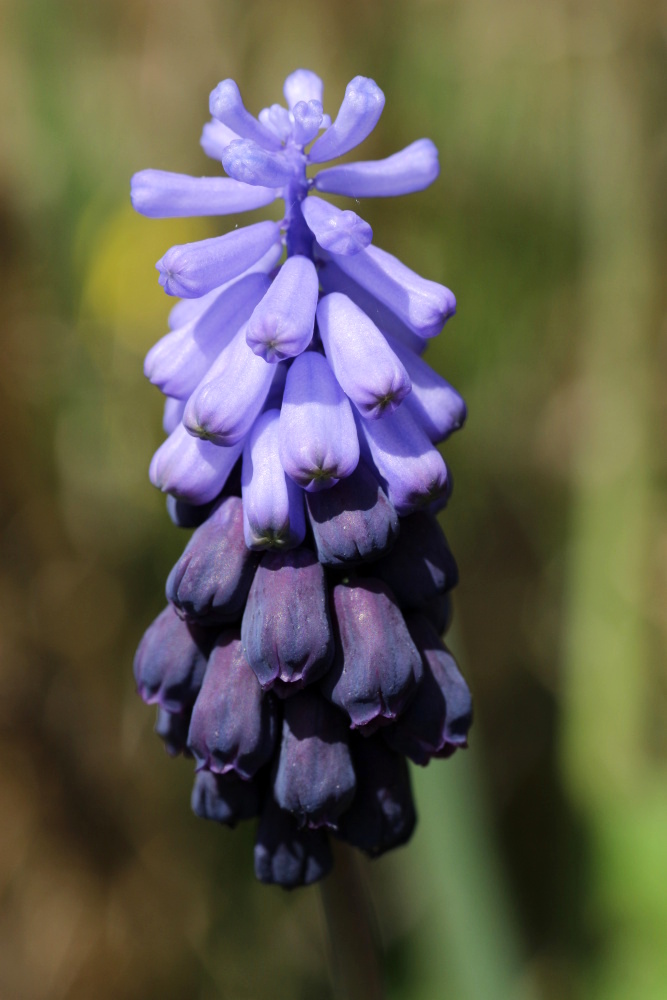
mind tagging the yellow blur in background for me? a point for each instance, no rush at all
(539, 868)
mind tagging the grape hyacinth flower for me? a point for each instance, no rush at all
(299, 661)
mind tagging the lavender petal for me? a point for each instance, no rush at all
(191, 469)
(358, 115)
(318, 440)
(367, 369)
(282, 324)
(192, 269)
(412, 169)
(226, 104)
(302, 85)
(337, 231)
(160, 194)
(273, 514)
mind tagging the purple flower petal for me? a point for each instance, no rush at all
(170, 662)
(382, 815)
(192, 269)
(412, 169)
(282, 324)
(302, 85)
(332, 279)
(273, 514)
(308, 119)
(278, 120)
(215, 138)
(437, 721)
(420, 566)
(376, 667)
(191, 469)
(356, 119)
(286, 629)
(337, 231)
(248, 162)
(318, 440)
(227, 401)
(159, 194)
(224, 798)
(172, 728)
(287, 856)
(234, 725)
(422, 305)
(226, 104)
(353, 521)
(210, 582)
(411, 470)
(181, 359)
(315, 780)
(434, 403)
(367, 369)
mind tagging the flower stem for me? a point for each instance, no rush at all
(353, 940)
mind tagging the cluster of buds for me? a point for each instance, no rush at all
(298, 660)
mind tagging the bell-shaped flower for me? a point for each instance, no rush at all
(318, 439)
(234, 726)
(434, 403)
(437, 721)
(273, 512)
(224, 798)
(357, 117)
(340, 232)
(193, 269)
(382, 815)
(411, 470)
(231, 395)
(286, 855)
(366, 368)
(210, 582)
(191, 469)
(315, 778)
(226, 104)
(420, 566)
(411, 169)
(286, 630)
(282, 323)
(170, 662)
(181, 359)
(353, 521)
(160, 194)
(376, 666)
(422, 305)
(172, 728)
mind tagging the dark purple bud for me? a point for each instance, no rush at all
(382, 814)
(315, 779)
(436, 722)
(353, 521)
(420, 566)
(210, 581)
(170, 662)
(234, 725)
(172, 728)
(224, 798)
(376, 667)
(286, 630)
(286, 855)
(439, 611)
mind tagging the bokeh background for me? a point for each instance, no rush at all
(539, 869)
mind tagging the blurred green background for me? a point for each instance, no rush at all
(539, 869)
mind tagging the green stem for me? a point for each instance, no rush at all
(353, 940)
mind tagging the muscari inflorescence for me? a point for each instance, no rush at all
(298, 659)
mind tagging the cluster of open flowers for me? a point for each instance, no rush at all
(298, 659)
